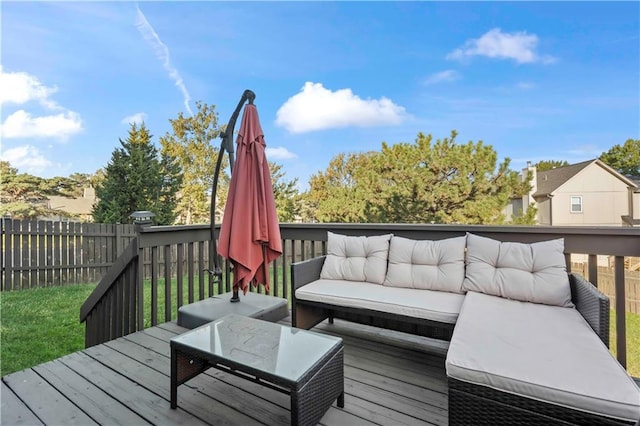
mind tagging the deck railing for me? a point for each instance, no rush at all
(149, 281)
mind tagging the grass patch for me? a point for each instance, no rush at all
(279, 291)
(40, 324)
(633, 341)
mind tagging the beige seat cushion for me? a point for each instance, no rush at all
(437, 306)
(356, 258)
(526, 272)
(543, 352)
(425, 264)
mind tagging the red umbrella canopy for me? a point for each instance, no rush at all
(250, 231)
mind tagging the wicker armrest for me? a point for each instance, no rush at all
(306, 271)
(592, 305)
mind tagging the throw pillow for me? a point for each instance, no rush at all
(351, 258)
(527, 272)
(425, 264)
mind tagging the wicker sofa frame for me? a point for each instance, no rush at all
(306, 314)
(468, 403)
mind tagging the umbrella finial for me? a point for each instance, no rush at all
(250, 96)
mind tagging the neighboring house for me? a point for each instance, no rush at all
(584, 194)
(81, 207)
(633, 219)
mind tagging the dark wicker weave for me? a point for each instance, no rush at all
(315, 393)
(468, 404)
(480, 405)
(592, 305)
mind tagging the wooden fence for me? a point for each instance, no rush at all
(606, 284)
(46, 253)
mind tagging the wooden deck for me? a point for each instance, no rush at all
(390, 379)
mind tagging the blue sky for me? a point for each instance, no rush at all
(539, 80)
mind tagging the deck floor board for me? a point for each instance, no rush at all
(96, 403)
(390, 379)
(14, 411)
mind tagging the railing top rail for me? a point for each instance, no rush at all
(155, 236)
(540, 229)
(172, 228)
(603, 240)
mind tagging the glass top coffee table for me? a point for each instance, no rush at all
(304, 364)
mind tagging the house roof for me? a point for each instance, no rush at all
(550, 180)
(636, 180)
(83, 206)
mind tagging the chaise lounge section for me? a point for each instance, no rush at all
(528, 342)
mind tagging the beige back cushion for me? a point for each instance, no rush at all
(429, 265)
(361, 259)
(526, 272)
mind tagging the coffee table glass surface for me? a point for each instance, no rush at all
(284, 352)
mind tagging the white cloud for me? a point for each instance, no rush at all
(442, 77)
(317, 108)
(279, 153)
(519, 46)
(26, 159)
(20, 88)
(136, 118)
(21, 124)
(162, 53)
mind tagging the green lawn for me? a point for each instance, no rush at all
(40, 324)
(633, 341)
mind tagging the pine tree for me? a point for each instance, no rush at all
(137, 179)
(420, 182)
(544, 165)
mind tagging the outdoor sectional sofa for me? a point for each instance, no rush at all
(528, 342)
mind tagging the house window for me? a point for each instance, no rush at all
(576, 204)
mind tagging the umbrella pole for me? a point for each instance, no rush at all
(226, 145)
(235, 297)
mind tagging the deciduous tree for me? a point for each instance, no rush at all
(624, 158)
(192, 142)
(285, 193)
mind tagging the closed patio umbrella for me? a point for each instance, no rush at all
(250, 231)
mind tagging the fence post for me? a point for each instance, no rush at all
(5, 249)
(118, 242)
(141, 219)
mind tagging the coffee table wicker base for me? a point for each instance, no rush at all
(311, 396)
(313, 399)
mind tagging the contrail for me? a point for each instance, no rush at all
(162, 53)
